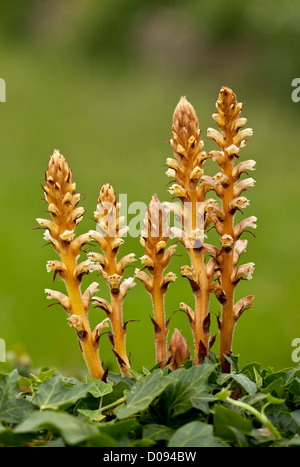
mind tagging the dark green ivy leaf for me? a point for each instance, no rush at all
(190, 388)
(54, 395)
(144, 392)
(196, 434)
(12, 408)
(72, 430)
(225, 419)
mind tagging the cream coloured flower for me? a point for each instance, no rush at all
(67, 235)
(177, 190)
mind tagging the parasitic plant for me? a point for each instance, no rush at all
(62, 199)
(187, 170)
(109, 236)
(157, 256)
(229, 188)
(213, 269)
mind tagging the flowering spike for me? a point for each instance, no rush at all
(156, 259)
(230, 139)
(109, 238)
(191, 187)
(62, 206)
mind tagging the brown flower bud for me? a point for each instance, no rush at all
(179, 350)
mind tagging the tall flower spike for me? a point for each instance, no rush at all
(62, 202)
(230, 139)
(109, 238)
(187, 169)
(156, 258)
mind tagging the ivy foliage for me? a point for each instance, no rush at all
(194, 406)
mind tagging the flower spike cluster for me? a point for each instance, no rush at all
(187, 170)
(212, 269)
(157, 256)
(230, 138)
(62, 199)
(109, 237)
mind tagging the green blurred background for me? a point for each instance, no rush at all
(99, 80)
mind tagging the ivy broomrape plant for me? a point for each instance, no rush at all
(109, 236)
(213, 268)
(62, 199)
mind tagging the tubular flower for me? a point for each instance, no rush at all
(62, 202)
(230, 138)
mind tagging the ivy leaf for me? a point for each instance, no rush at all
(46, 374)
(101, 440)
(92, 415)
(144, 392)
(9, 438)
(57, 443)
(190, 388)
(54, 395)
(113, 378)
(120, 429)
(23, 381)
(201, 402)
(234, 362)
(296, 419)
(276, 386)
(252, 370)
(223, 394)
(99, 388)
(12, 409)
(117, 393)
(195, 434)
(225, 419)
(157, 432)
(141, 443)
(243, 380)
(72, 430)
